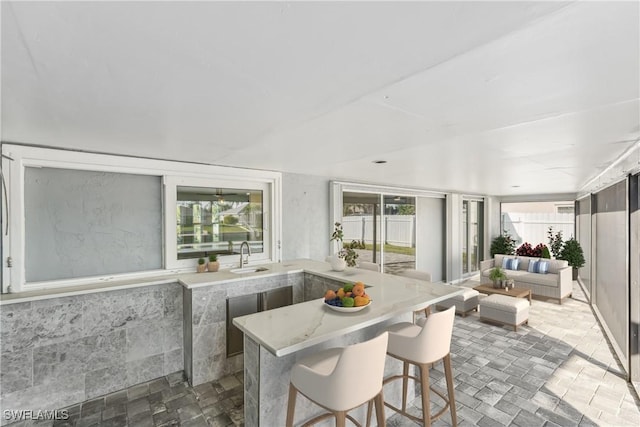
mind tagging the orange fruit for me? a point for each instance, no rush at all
(340, 293)
(358, 289)
(360, 301)
(330, 295)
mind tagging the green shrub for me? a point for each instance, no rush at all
(545, 252)
(555, 242)
(572, 252)
(503, 244)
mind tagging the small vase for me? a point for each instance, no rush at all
(202, 268)
(338, 264)
(213, 266)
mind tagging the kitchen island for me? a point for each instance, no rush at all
(276, 339)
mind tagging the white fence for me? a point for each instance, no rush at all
(400, 230)
(533, 227)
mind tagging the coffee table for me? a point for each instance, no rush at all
(487, 288)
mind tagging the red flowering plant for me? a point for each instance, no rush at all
(526, 249)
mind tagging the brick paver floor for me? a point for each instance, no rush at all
(557, 370)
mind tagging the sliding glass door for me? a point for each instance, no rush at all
(361, 223)
(472, 235)
(399, 231)
(385, 236)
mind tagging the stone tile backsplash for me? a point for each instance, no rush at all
(61, 351)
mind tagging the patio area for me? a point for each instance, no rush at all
(557, 370)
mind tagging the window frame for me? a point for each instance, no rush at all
(18, 157)
(171, 184)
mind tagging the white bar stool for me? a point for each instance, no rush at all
(420, 275)
(423, 346)
(326, 378)
(369, 266)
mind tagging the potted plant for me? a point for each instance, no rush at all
(497, 275)
(503, 244)
(572, 252)
(213, 265)
(555, 242)
(346, 255)
(202, 267)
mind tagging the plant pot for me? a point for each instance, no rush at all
(213, 266)
(202, 268)
(337, 264)
(497, 283)
(575, 273)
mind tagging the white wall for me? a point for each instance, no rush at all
(430, 236)
(305, 217)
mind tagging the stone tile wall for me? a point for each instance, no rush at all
(61, 351)
(316, 286)
(208, 324)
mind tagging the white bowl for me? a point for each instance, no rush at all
(347, 309)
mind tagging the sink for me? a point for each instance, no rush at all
(247, 270)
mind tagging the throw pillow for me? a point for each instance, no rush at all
(542, 267)
(510, 263)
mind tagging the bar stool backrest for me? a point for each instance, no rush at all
(432, 343)
(416, 274)
(360, 371)
(357, 376)
(369, 266)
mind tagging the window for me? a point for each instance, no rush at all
(217, 220)
(564, 209)
(123, 217)
(81, 223)
(214, 216)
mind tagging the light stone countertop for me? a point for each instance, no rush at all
(189, 280)
(289, 329)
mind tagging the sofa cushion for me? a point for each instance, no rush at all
(537, 279)
(524, 262)
(515, 274)
(555, 265)
(498, 260)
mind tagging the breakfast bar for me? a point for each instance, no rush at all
(275, 339)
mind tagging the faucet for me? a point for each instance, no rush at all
(244, 261)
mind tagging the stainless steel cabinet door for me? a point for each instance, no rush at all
(236, 307)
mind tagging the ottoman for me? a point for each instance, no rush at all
(505, 310)
(466, 302)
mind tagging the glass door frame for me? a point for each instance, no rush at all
(466, 238)
(337, 188)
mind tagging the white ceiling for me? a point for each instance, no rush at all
(477, 97)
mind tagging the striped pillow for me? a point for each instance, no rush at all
(541, 267)
(510, 263)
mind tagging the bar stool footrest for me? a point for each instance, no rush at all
(435, 417)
